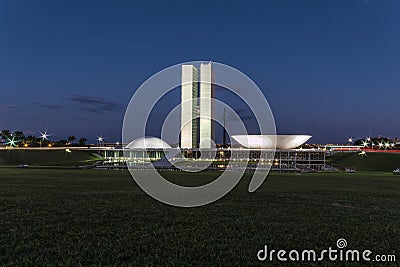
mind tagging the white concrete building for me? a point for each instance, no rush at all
(206, 105)
(189, 107)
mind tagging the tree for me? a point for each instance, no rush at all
(62, 142)
(6, 134)
(19, 135)
(32, 140)
(71, 138)
(82, 141)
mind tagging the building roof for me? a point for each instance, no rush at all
(147, 142)
(271, 141)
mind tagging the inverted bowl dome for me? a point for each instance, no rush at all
(147, 143)
(268, 141)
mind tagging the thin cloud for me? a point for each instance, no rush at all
(95, 104)
(92, 109)
(45, 105)
(29, 132)
(7, 107)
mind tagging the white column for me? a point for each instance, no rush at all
(206, 105)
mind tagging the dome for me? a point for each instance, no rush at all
(148, 142)
(267, 141)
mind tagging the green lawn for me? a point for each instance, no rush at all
(55, 157)
(369, 162)
(97, 217)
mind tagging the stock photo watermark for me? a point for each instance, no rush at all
(340, 253)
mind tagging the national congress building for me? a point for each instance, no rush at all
(197, 126)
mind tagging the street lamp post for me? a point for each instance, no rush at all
(43, 136)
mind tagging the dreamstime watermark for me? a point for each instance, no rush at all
(338, 253)
(138, 119)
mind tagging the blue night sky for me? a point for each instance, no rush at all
(327, 68)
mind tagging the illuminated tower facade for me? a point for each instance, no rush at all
(189, 107)
(206, 105)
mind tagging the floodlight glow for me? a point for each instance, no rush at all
(100, 138)
(380, 144)
(350, 140)
(44, 135)
(12, 142)
(365, 144)
(368, 139)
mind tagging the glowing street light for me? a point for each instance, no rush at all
(380, 145)
(365, 143)
(350, 140)
(362, 153)
(12, 142)
(369, 139)
(44, 135)
(100, 140)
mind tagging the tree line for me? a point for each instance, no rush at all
(19, 139)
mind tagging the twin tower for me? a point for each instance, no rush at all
(197, 126)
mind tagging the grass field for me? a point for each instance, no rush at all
(369, 162)
(94, 217)
(55, 157)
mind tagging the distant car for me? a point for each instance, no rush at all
(350, 170)
(23, 166)
(396, 171)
